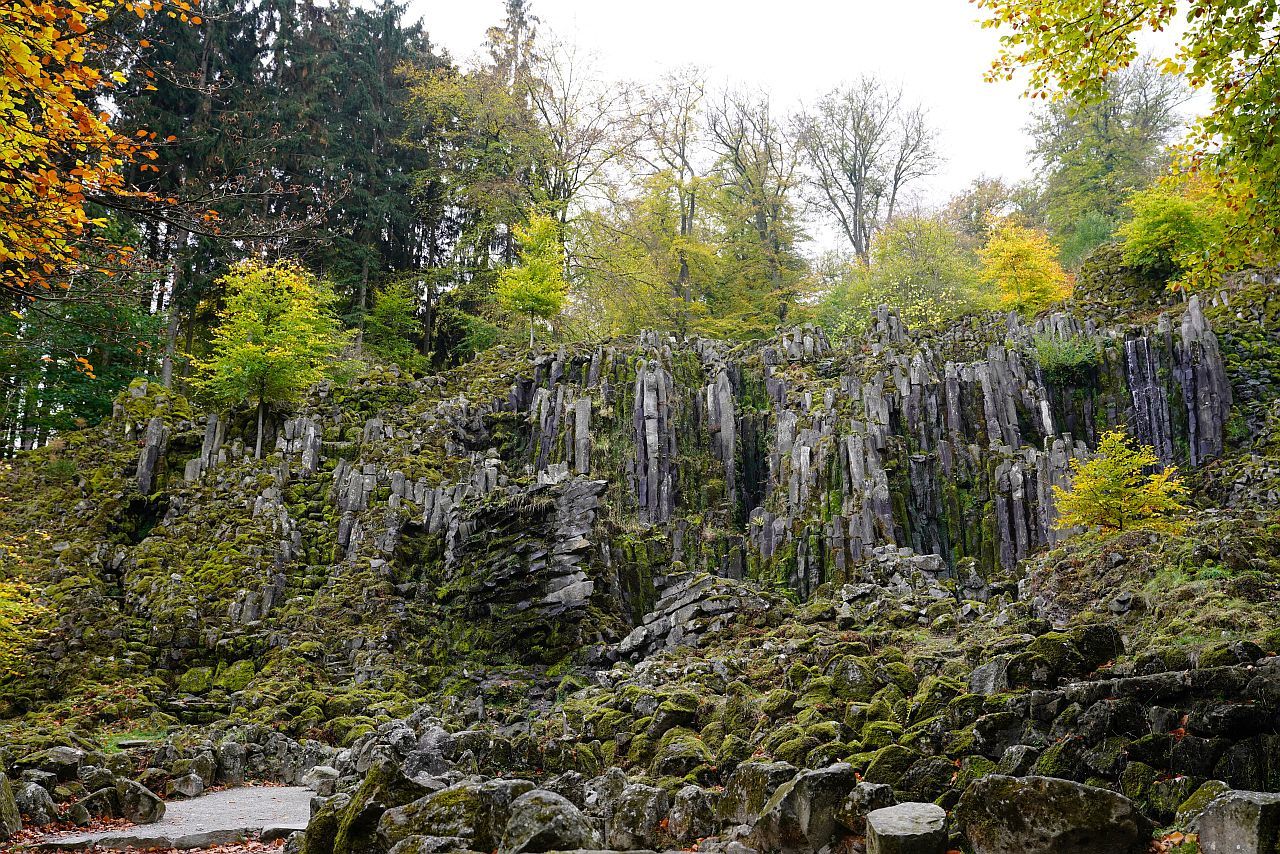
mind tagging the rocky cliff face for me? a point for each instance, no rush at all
(757, 592)
(533, 508)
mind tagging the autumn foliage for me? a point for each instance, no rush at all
(58, 151)
(1123, 487)
(1022, 265)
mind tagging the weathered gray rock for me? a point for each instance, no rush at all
(1045, 815)
(749, 787)
(800, 816)
(36, 804)
(321, 779)
(231, 756)
(1241, 823)
(692, 604)
(474, 809)
(139, 804)
(154, 442)
(861, 800)
(187, 786)
(104, 803)
(10, 820)
(601, 794)
(693, 815)
(96, 778)
(544, 821)
(429, 845)
(637, 819)
(907, 829)
(63, 761)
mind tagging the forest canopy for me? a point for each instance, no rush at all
(524, 197)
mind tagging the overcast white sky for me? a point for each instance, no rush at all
(795, 49)
(798, 49)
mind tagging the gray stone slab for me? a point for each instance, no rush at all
(218, 818)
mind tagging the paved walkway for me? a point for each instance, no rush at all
(219, 818)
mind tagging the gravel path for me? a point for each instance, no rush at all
(219, 818)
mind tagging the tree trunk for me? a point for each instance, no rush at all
(171, 332)
(262, 420)
(531, 331)
(362, 300)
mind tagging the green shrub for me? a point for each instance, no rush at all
(60, 470)
(1071, 361)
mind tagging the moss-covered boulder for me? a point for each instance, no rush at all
(749, 787)
(680, 752)
(1189, 810)
(349, 825)
(10, 820)
(474, 810)
(234, 676)
(1043, 815)
(197, 680)
(800, 816)
(544, 821)
(888, 764)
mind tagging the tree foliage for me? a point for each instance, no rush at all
(60, 152)
(19, 610)
(277, 337)
(1022, 264)
(986, 201)
(1177, 224)
(393, 327)
(1095, 153)
(1117, 490)
(919, 268)
(1072, 48)
(536, 286)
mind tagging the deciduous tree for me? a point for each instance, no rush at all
(1124, 486)
(1177, 224)
(1072, 48)
(278, 336)
(919, 267)
(862, 145)
(1023, 266)
(60, 150)
(536, 287)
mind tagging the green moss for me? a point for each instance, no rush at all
(197, 680)
(234, 676)
(888, 764)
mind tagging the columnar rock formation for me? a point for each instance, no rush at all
(528, 506)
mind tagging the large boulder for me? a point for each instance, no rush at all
(429, 845)
(862, 800)
(693, 815)
(10, 820)
(35, 802)
(907, 829)
(186, 786)
(600, 794)
(473, 809)
(1241, 823)
(638, 817)
(65, 762)
(801, 814)
(1046, 815)
(138, 804)
(749, 788)
(544, 821)
(349, 824)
